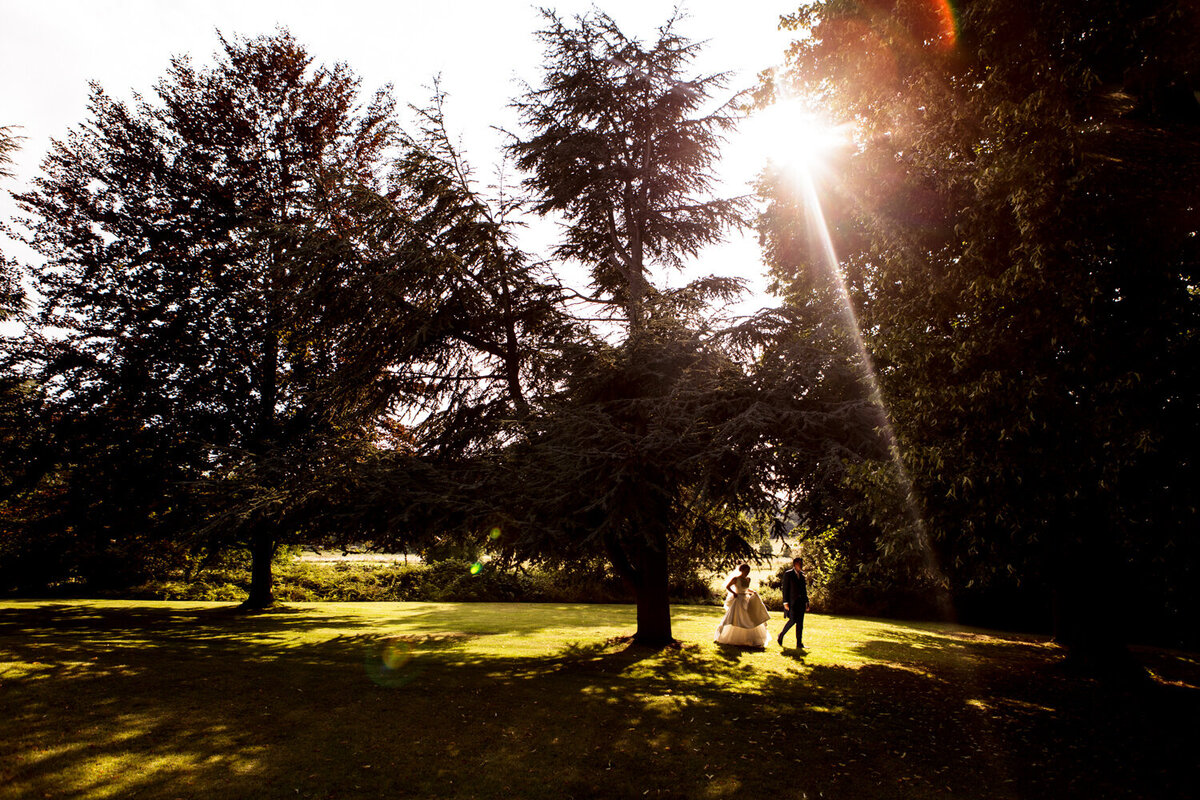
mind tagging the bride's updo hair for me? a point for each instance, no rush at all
(743, 567)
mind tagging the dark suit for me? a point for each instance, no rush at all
(795, 595)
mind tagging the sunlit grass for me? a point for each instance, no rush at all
(166, 700)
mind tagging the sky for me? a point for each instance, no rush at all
(481, 51)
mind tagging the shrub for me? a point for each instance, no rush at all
(772, 598)
(227, 578)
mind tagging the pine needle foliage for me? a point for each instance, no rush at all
(623, 145)
(676, 442)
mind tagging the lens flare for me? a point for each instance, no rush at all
(494, 533)
(476, 568)
(391, 662)
(947, 24)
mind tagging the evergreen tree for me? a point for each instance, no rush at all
(485, 328)
(677, 440)
(622, 145)
(216, 280)
(11, 295)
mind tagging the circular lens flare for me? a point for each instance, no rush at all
(391, 662)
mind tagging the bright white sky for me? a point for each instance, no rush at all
(482, 49)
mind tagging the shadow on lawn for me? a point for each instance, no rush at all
(210, 704)
(101, 623)
(50, 631)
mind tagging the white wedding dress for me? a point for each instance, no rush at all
(745, 621)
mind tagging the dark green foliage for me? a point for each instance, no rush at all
(265, 341)
(11, 295)
(672, 444)
(491, 321)
(8, 145)
(485, 330)
(451, 580)
(623, 144)
(212, 267)
(18, 397)
(1019, 234)
(677, 444)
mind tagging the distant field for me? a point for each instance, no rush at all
(373, 700)
(337, 556)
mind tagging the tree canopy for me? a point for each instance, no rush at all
(212, 277)
(623, 143)
(678, 440)
(268, 313)
(11, 296)
(1018, 234)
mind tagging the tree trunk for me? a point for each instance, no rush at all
(1090, 620)
(653, 598)
(262, 539)
(262, 555)
(512, 351)
(647, 573)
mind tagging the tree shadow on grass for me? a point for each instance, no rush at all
(53, 619)
(193, 704)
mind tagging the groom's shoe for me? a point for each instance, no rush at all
(780, 640)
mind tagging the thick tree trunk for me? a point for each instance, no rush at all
(262, 555)
(653, 599)
(262, 538)
(647, 572)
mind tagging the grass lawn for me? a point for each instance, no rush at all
(191, 700)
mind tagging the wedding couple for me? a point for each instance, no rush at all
(745, 621)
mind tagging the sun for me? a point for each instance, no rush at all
(792, 134)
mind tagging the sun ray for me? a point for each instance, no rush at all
(802, 173)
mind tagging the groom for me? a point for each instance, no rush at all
(795, 602)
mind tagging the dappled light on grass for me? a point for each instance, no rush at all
(546, 701)
(131, 753)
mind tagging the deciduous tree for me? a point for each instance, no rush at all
(1019, 233)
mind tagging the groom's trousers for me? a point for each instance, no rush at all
(794, 617)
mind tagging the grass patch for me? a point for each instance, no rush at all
(112, 699)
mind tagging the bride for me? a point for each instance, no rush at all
(745, 621)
